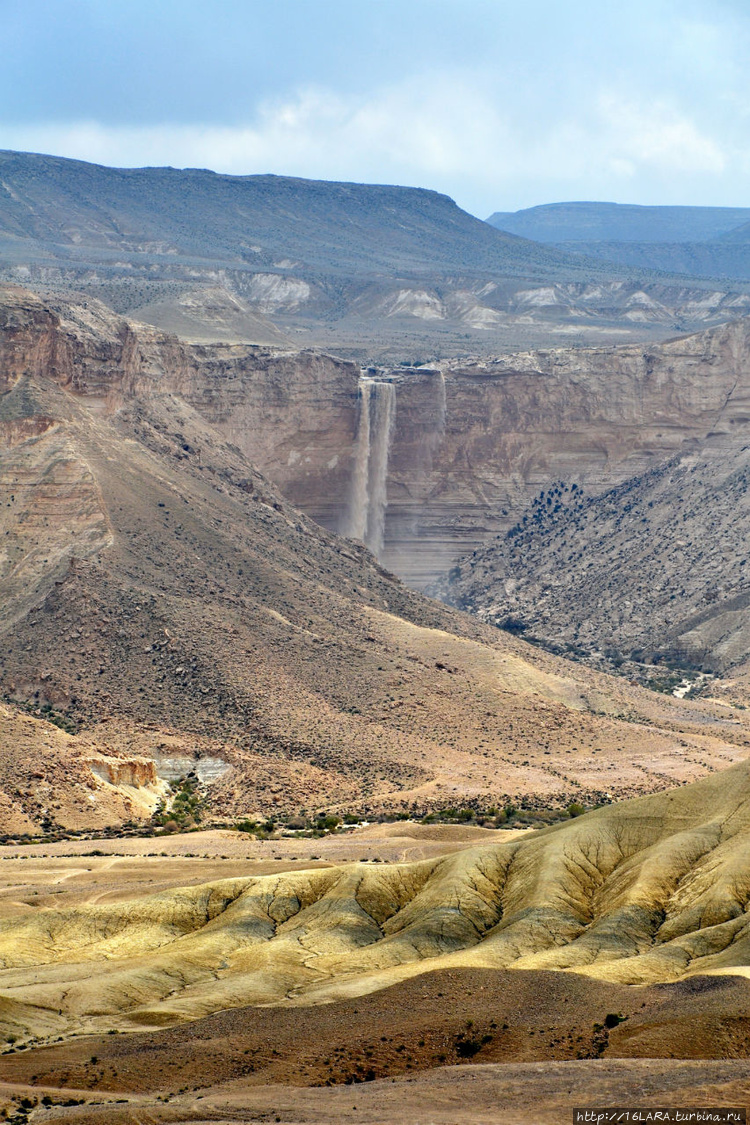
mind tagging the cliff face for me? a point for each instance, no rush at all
(85, 348)
(164, 600)
(293, 414)
(469, 446)
(474, 443)
(471, 443)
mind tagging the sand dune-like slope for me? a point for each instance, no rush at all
(652, 890)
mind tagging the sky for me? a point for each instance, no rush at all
(500, 105)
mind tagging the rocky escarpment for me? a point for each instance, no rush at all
(84, 348)
(164, 599)
(51, 779)
(470, 444)
(293, 414)
(474, 445)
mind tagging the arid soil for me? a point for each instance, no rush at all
(445, 1018)
(411, 1053)
(167, 607)
(516, 1093)
(387, 843)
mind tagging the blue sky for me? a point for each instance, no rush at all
(501, 105)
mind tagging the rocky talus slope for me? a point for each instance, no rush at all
(650, 891)
(654, 570)
(162, 601)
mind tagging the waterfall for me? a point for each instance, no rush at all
(356, 523)
(368, 497)
(384, 416)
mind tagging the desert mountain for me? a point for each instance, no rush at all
(619, 222)
(61, 209)
(697, 241)
(371, 270)
(175, 614)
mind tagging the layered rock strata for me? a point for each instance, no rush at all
(164, 600)
(472, 442)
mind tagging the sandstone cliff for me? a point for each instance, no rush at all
(473, 442)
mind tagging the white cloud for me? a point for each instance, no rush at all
(470, 135)
(657, 136)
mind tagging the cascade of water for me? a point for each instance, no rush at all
(384, 417)
(365, 518)
(359, 499)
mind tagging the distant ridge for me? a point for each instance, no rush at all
(374, 271)
(619, 222)
(55, 208)
(700, 241)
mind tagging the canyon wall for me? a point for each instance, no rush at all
(469, 444)
(294, 414)
(464, 466)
